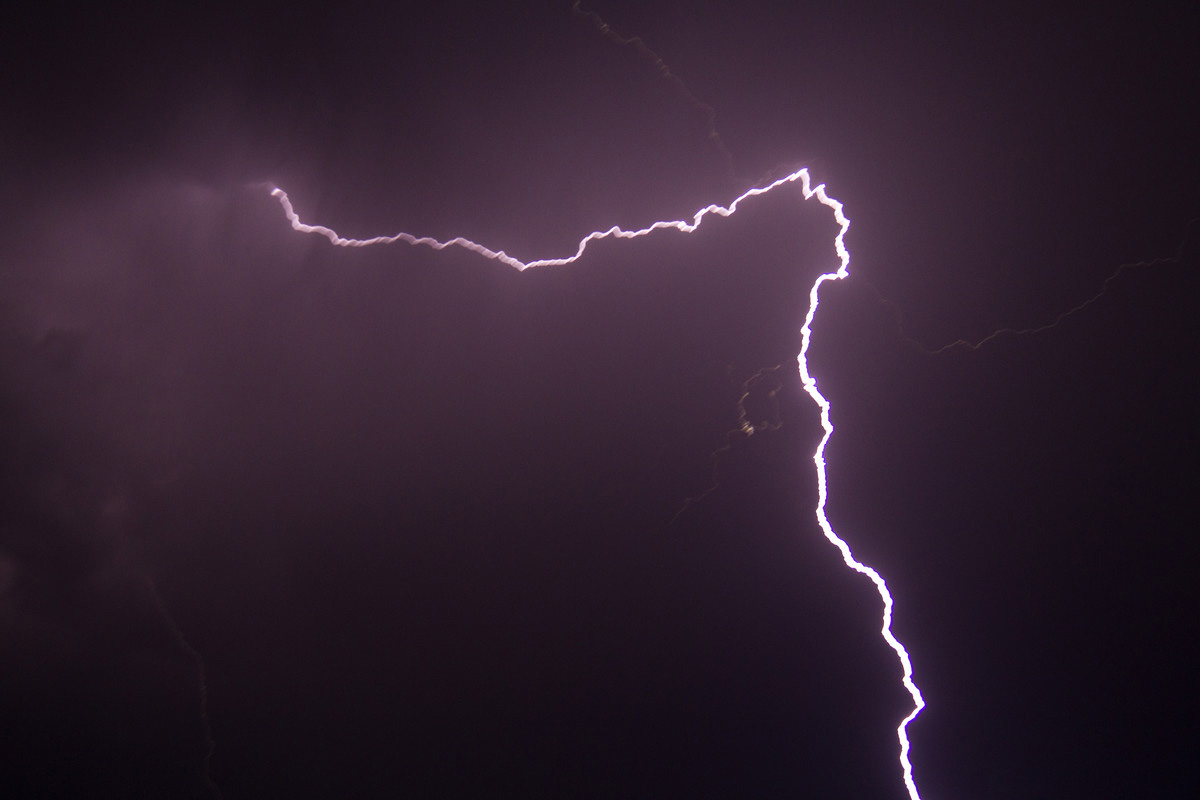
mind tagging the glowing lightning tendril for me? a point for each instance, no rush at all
(810, 384)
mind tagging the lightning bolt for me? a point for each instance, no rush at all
(810, 383)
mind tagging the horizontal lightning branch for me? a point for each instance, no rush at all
(1062, 316)
(810, 383)
(977, 344)
(503, 257)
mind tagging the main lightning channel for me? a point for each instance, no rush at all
(810, 383)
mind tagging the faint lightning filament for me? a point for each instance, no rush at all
(810, 383)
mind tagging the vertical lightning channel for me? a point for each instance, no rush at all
(810, 386)
(810, 383)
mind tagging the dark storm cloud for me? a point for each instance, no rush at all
(92, 675)
(84, 427)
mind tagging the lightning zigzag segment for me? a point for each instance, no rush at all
(809, 382)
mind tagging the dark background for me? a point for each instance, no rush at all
(416, 513)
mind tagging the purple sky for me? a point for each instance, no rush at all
(416, 512)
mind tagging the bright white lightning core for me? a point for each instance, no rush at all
(810, 384)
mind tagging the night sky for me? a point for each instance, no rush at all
(395, 522)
